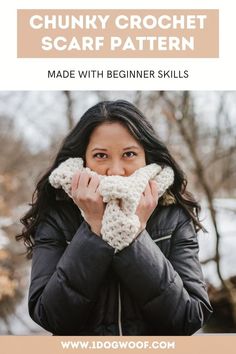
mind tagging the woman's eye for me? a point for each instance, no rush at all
(130, 154)
(100, 155)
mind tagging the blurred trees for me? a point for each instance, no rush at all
(213, 156)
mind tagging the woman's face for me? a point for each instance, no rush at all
(112, 150)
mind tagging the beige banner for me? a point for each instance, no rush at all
(177, 345)
(120, 33)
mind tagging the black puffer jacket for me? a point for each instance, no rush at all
(152, 287)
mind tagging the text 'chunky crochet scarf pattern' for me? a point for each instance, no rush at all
(120, 224)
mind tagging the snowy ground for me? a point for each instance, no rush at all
(21, 324)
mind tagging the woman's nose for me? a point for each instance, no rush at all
(116, 169)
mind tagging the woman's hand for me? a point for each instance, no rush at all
(147, 203)
(84, 191)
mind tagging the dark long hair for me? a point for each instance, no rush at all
(75, 145)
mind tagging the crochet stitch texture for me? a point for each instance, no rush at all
(120, 224)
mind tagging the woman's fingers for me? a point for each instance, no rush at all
(154, 189)
(149, 197)
(75, 182)
(84, 185)
(80, 181)
(147, 191)
(94, 183)
(84, 180)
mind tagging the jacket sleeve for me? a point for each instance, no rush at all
(170, 292)
(65, 280)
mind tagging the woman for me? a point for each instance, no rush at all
(79, 284)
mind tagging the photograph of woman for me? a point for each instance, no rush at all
(112, 232)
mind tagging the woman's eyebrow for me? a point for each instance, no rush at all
(126, 148)
(132, 147)
(99, 148)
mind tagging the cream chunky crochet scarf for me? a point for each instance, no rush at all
(120, 224)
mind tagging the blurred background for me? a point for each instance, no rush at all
(199, 128)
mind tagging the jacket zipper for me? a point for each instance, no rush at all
(119, 312)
